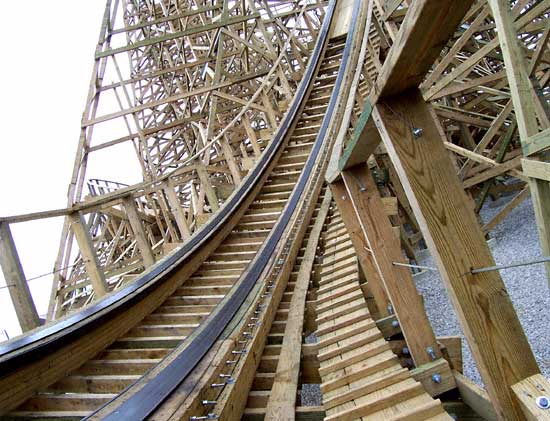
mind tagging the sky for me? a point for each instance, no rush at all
(47, 59)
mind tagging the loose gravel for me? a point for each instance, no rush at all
(514, 240)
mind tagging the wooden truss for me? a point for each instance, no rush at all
(195, 89)
(448, 106)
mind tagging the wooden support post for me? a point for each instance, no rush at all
(386, 249)
(525, 109)
(457, 244)
(139, 232)
(177, 211)
(16, 281)
(207, 187)
(87, 250)
(361, 246)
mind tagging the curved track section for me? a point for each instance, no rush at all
(102, 350)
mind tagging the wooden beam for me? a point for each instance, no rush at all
(364, 141)
(527, 391)
(427, 27)
(386, 249)
(282, 400)
(525, 109)
(366, 260)
(453, 235)
(16, 281)
(93, 269)
(139, 232)
(177, 211)
(475, 397)
(536, 142)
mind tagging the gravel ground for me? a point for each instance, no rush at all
(514, 240)
(311, 393)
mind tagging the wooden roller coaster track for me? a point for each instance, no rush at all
(296, 156)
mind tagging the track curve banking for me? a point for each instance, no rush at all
(110, 345)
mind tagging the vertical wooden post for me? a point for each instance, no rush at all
(139, 233)
(457, 244)
(525, 109)
(386, 249)
(97, 277)
(207, 187)
(362, 247)
(177, 211)
(228, 154)
(16, 281)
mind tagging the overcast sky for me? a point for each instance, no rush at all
(47, 57)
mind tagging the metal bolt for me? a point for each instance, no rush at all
(417, 132)
(405, 350)
(543, 402)
(395, 323)
(242, 351)
(206, 402)
(390, 308)
(217, 385)
(431, 352)
(436, 378)
(206, 417)
(247, 334)
(231, 362)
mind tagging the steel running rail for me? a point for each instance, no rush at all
(52, 337)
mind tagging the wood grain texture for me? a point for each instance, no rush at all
(386, 249)
(454, 238)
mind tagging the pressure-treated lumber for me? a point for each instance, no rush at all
(526, 111)
(95, 272)
(426, 28)
(527, 391)
(139, 232)
(364, 197)
(361, 376)
(16, 281)
(454, 238)
(362, 249)
(282, 400)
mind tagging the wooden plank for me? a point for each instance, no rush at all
(527, 391)
(16, 281)
(427, 27)
(364, 256)
(454, 238)
(364, 141)
(386, 249)
(536, 169)
(87, 250)
(475, 397)
(525, 108)
(282, 400)
(139, 232)
(177, 211)
(536, 143)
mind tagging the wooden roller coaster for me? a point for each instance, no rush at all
(296, 159)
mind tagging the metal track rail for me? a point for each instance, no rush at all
(25, 351)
